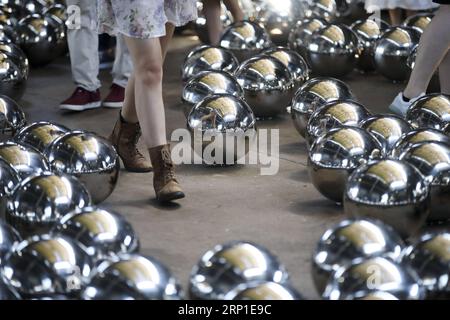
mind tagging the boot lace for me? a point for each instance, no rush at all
(168, 165)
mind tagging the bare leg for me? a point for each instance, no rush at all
(212, 11)
(164, 41)
(396, 16)
(444, 74)
(235, 9)
(433, 47)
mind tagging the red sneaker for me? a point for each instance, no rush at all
(82, 100)
(115, 97)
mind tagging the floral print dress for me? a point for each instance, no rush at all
(143, 19)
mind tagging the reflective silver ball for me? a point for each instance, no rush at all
(47, 265)
(294, 62)
(40, 135)
(33, 6)
(9, 179)
(208, 58)
(395, 278)
(368, 32)
(101, 233)
(334, 51)
(90, 158)
(418, 136)
(430, 111)
(12, 118)
(392, 51)
(17, 56)
(432, 159)
(40, 201)
(132, 277)
(349, 240)
(25, 160)
(245, 39)
(7, 292)
(207, 83)
(225, 267)
(387, 129)
(392, 191)
(349, 11)
(13, 71)
(9, 238)
(300, 36)
(220, 118)
(419, 21)
(314, 94)
(375, 295)
(38, 39)
(268, 85)
(56, 15)
(335, 155)
(429, 257)
(264, 291)
(333, 115)
(326, 9)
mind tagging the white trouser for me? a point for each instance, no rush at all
(83, 48)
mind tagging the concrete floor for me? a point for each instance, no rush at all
(282, 212)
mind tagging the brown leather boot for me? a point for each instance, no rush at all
(164, 181)
(124, 138)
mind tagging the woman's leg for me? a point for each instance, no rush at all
(235, 9)
(444, 74)
(212, 12)
(395, 16)
(164, 41)
(433, 48)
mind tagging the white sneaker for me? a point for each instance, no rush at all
(400, 106)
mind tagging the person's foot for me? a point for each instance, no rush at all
(115, 97)
(400, 105)
(166, 185)
(81, 100)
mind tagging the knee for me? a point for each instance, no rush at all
(149, 74)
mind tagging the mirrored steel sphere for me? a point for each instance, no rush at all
(101, 233)
(220, 118)
(429, 257)
(326, 9)
(419, 21)
(132, 277)
(296, 65)
(90, 158)
(387, 129)
(333, 115)
(207, 58)
(225, 267)
(314, 94)
(7, 293)
(349, 240)
(430, 111)
(368, 32)
(12, 80)
(56, 17)
(17, 56)
(25, 160)
(39, 39)
(9, 179)
(433, 161)
(264, 291)
(334, 156)
(392, 51)
(8, 239)
(46, 265)
(333, 50)
(349, 11)
(392, 191)
(40, 201)
(208, 83)
(33, 6)
(268, 85)
(245, 39)
(12, 118)
(300, 36)
(40, 135)
(395, 278)
(418, 136)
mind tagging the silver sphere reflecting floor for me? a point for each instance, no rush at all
(398, 279)
(25, 160)
(334, 156)
(38, 202)
(9, 238)
(90, 158)
(13, 71)
(389, 190)
(432, 159)
(9, 179)
(419, 21)
(225, 267)
(101, 233)
(132, 277)
(314, 94)
(207, 58)
(417, 136)
(350, 240)
(430, 111)
(40, 135)
(12, 118)
(300, 36)
(264, 291)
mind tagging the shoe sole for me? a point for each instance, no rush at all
(171, 197)
(74, 107)
(113, 105)
(138, 170)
